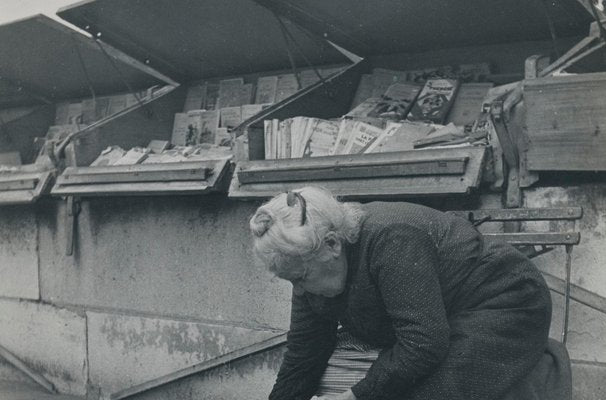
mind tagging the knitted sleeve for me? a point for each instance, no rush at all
(403, 261)
(310, 343)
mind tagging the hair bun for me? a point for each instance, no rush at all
(261, 223)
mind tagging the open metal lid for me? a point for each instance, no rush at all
(44, 61)
(411, 26)
(191, 39)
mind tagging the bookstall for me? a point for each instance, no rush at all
(32, 129)
(229, 74)
(393, 89)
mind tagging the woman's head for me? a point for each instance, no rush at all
(297, 233)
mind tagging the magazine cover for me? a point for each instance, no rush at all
(434, 101)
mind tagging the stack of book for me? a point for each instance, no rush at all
(161, 152)
(392, 111)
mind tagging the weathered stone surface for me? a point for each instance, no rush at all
(185, 257)
(588, 381)
(51, 341)
(128, 350)
(588, 257)
(18, 253)
(251, 379)
(586, 330)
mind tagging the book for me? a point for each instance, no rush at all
(158, 146)
(117, 103)
(102, 107)
(10, 158)
(74, 114)
(322, 138)
(231, 117)
(250, 110)
(88, 111)
(396, 102)
(286, 86)
(365, 108)
(223, 137)
(286, 139)
(400, 136)
(132, 157)
(61, 111)
(195, 98)
(180, 130)
(246, 94)
(202, 126)
(267, 139)
(364, 90)
(345, 129)
(383, 78)
(230, 92)
(434, 101)
(309, 77)
(361, 137)
(109, 156)
(266, 89)
(212, 96)
(468, 103)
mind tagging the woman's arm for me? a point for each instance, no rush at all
(310, 343)
(404, 262)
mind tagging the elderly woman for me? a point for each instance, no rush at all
(399, 301)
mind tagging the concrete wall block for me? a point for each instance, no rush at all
(8, 373)
(586, 330)
(588, 381)
(184, 257)
(19, 253)
(251, 379)
(588, 257)
(51, 341)
(129, 350)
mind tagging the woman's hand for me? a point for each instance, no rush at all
(348, 395)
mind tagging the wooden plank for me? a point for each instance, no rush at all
(521, 214)
(531, 238)
(117, 169)
(391, 187)
(190, 174)
(27, 196)
(21, 366)
(133, 189)
(453, 166)
(18, 184)
(566, 121)
(147, 188)
(202, 367)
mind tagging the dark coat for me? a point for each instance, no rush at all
(458, 316)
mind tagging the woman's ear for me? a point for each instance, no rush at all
(333, 244)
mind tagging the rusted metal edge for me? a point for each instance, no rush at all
(236, 355)
(522, 214)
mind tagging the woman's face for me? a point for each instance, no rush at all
(322, 275)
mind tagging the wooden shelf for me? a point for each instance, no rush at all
(398, 174)
(196, 177)
(23, 187)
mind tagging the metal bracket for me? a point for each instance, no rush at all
(71, 218)
(513, 196)
(567, 293)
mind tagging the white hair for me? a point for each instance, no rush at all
(278, 234)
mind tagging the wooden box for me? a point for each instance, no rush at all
(566, 122)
